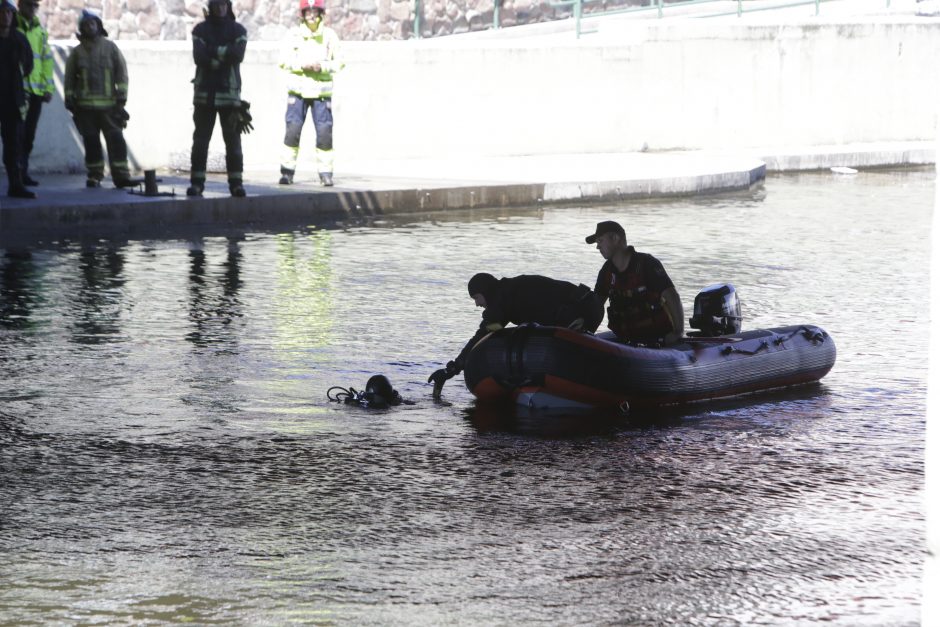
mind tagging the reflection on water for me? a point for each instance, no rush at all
(168, 452)
(95, 312)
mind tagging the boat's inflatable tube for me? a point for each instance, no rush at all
(553, 367)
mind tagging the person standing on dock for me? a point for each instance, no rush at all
(310, 59)
(644, 305)
(219, 44)
(95, 93)
(39, 84)
(16, 61)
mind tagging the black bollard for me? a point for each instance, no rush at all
(150, 183)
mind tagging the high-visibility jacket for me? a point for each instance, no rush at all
(95, 75)
(305, 47)
(39, 82)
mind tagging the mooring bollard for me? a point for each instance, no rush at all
(150, 183)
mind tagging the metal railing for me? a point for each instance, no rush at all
(660, 5)
(654, 5)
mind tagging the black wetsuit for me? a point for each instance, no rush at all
(539, 299)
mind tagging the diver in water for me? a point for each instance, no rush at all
(379, 394)
(520, 300)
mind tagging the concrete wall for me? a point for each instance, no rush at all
(360, 20)
(695, 84)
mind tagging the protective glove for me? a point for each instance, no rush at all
(243, 121)
(120, 115)
(440, 377)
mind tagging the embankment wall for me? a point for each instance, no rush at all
(693, 84)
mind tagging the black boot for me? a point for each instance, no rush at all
(16, 188)
(287, 177)
(20, 192)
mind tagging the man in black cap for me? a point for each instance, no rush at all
(644, 305)
(522, 299)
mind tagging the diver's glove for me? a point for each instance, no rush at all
(243, 121)
(440, 377)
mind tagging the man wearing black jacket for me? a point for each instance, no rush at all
(522, 299)
(16, 61)
(218, 50)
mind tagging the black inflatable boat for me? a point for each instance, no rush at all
(550, 367)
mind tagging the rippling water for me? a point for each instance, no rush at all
(168, 453)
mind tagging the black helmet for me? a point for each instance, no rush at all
(379, 390)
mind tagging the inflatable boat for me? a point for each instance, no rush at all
(551, 367)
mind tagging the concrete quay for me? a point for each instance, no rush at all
(365, 189)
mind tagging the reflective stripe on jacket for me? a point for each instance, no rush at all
(305, 47)
(218, 50)
(39, 81)
(95, 74)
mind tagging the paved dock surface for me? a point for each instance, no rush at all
(364, 189)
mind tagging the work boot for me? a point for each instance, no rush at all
(121, 183)
(237, 190)
(92, 182)
(195, 189)
(29, 181)
(326, 178)
(20, 192)
(286, 179)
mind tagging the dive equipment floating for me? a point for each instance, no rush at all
(379, 394)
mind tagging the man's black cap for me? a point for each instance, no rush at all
(607, 226)
(482, 283)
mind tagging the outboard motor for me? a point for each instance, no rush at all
(717, 311)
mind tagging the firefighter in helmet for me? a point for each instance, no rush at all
(309, 57)
(95, 93)
(218, 50)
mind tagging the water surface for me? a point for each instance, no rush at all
(168, 453)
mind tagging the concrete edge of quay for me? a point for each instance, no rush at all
(69, 214)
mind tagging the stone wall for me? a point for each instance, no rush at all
(267, 20)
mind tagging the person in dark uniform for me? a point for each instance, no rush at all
(644, 304)
(522, 299)
(218, 51)
(16, 61)
(95, 85)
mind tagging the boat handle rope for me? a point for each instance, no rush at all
(816, 336)
(727, 350)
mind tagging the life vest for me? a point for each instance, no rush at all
(636, 310)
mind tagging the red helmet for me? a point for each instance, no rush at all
(306, 5)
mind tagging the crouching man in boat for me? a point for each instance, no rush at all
(522, 299)
(644, 305)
